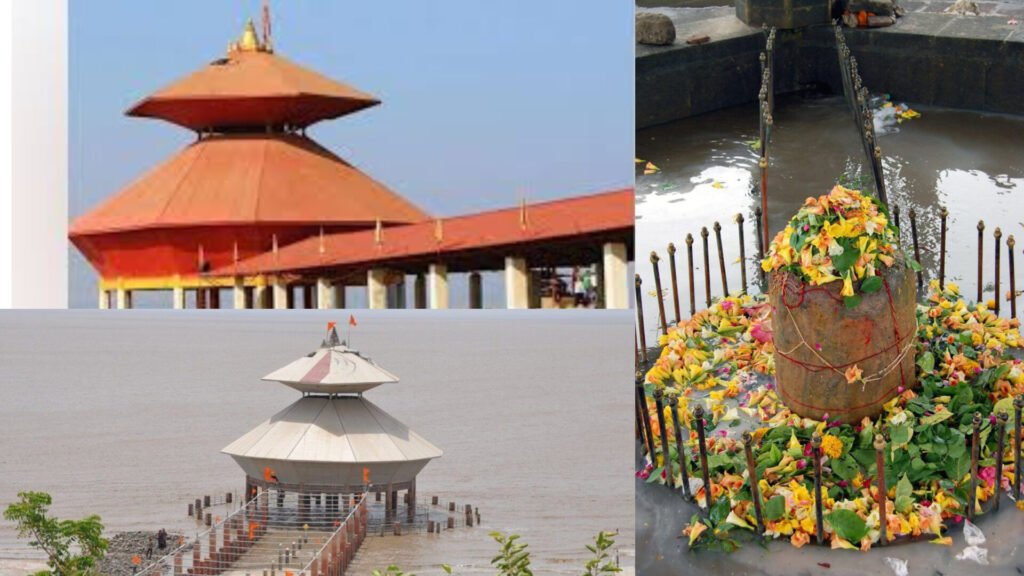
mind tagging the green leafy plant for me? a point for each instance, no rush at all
(72, 547)
(602, 562)
(514, 559)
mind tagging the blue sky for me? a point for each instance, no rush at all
(483, 102)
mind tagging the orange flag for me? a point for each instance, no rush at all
(366, 475)
(136, 560)
(331, 325)
(268, 474)
(351, 320)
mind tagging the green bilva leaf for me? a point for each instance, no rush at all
(852, 301)
(936, 418)
(904, 490)
(871, 284)
(926, 362)
(775, 508)
(847, 525)
(914, 265)
(900, 435)
(843, 262)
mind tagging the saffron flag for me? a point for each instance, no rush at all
(366, 475)
(351, 320)
(331, 325)
(268, 475)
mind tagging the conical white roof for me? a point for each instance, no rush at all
(330, 440)
(330, 370)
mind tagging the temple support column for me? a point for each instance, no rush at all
(437, 286)
(280, 294)
(377, 288)
(178, 297)
(124, 299)
(476, 291)
(324, 294)
(615, 276)
(420, 292)
(259, 293)
(517, 283)
(238, 292)
(104, 302)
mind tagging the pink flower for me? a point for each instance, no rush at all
(723, 433)
(817, 347)
(842, 484)
(806, 227)
(759, 333)
(957, 519)
(988, 474)
(900, 389)
(726, 305)
(992, 419)
(801, 464)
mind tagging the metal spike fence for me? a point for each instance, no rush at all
(654, 445)
(1001, 270)
(293, 534)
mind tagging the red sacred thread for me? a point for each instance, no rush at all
(815, 368)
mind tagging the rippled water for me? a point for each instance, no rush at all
(970, 162)
(124, 415)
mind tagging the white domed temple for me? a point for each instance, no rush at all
(333, 441)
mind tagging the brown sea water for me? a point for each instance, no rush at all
(970, 162)
(124, 415)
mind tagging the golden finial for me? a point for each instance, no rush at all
(249, 41)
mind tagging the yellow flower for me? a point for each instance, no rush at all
(831, 446)
(847, 285)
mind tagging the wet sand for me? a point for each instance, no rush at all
(124, 415)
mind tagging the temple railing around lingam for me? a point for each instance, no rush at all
(300, 533)
(913, 242)
(652, 448)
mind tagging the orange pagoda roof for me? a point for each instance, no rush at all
(250, 179)
(252, 87)
(566, 218)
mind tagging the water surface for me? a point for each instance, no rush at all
(124, 415)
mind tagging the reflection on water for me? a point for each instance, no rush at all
(970, 162)
(125, 415)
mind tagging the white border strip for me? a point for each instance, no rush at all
(6, 237)
(36, 213)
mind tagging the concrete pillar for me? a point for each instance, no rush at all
(437, 286)
(377, 288)
(178, 297)
(420, 292)
(476, 291)
(238, 292)
(123, 299)
(259, 296)
(517, 283)
(616, 269)
(324, 294)
(104, 299)
(280, 291)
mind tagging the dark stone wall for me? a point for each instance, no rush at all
(972, 67)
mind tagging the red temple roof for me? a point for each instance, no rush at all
(252, 88)
(249, 179)
(570, 217)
